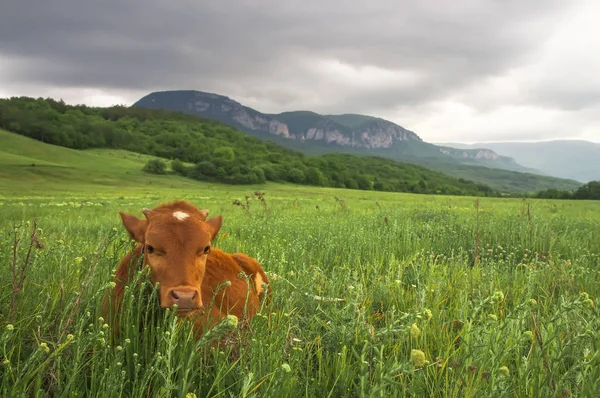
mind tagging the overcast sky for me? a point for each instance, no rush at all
(450, 70)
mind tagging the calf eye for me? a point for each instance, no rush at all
(207, 250)
(149, 249)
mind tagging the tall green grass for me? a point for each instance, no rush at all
(373, 295)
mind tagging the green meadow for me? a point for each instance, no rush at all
(373, 294)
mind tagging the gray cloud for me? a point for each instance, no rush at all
(276, 55)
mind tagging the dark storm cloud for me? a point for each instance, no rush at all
(271, 50)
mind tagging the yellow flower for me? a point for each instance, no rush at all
(532, 302)
(232, 321)
(415, 332)
(504, 371)
(428, 313)
(498, 296)
(417, 357)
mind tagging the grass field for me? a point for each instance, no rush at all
(373, 294)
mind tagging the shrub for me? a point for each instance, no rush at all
(155, 166)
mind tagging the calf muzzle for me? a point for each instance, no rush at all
(186, 298)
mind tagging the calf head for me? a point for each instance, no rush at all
(176, 240)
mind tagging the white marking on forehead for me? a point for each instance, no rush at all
(180, 215)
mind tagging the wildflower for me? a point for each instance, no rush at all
(493, 317)
(105, 326)
(227, 283)
(504, 371)
(101, 320)
(532, 302)
(78, 260)
(190, 395)
(127, 341)
(6, 362)
(70, 337)
(119, 348)
(10, 327)
(498, 296)
(45, 347)
(112, 284)
(528, 334)
(415, 332)
(167, 333)
(417, 357)
(590, 303)
(232, 321)
(286, 368)
(119, 364)
(428, 313)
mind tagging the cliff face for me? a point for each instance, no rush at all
(483, 154)
(349, 130)
(373, 133)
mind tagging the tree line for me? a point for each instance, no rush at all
(588, 191)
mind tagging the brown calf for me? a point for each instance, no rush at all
(175, 242)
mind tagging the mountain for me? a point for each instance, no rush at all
(316, 134)
(573, 159)
(309, 131)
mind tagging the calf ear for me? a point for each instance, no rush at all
(215, 225)
(135, 226)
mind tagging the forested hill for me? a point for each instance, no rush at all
(218, 152)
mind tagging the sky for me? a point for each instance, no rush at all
(451, 71)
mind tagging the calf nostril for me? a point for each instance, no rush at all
(174, 294)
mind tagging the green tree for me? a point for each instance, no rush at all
(314, 176)
(178, 167)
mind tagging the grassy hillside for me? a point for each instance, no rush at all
(29, 167)
(218, 152)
